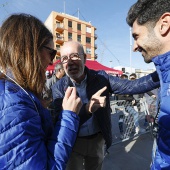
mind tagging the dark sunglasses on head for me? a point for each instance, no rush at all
(53, 52)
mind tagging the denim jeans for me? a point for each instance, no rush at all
(134, 113)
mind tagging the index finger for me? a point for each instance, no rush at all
(101, 91)
(68, 92)
(73, 93)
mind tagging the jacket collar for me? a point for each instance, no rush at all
(91, 74)
(161, 59)
(162, 62)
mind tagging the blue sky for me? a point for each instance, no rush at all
(108, 16)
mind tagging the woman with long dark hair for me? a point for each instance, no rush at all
(28, 138)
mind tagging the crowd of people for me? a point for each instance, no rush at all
(65, 122)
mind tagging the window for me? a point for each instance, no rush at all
(57, 35)
(70, 36)
(59, 25)
(58, 47)
(70, 24)
(88, 29)
(79, 38)
(88, 50)
(79, 27)
(88, 40)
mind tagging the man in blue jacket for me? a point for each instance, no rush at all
(150, 22)
(95, 123)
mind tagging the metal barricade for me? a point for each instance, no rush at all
(151, 110)
(129, 121)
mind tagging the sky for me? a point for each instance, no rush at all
(108, 16)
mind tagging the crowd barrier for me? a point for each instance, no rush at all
(129, 121)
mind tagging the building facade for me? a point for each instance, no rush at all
(66, 27)
(139, 72)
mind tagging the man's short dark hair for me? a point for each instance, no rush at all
(133, 74)
(124, 76)
(147, 11)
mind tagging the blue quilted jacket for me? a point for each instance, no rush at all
(28, 139)
(162, 158)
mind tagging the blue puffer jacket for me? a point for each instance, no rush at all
(28, 139)
(162, 158)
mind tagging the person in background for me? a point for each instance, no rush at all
(141, 98)
(95, 116)
(47, 74)
(130, 107)
(132, 76)
(58, 74)
(150, 22)
(29, 140)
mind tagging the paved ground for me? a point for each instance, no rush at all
(133, 154)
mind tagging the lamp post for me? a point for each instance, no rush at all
(130, 50)
(64, 7)
(110, 64)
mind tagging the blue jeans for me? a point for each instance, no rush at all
(132, 111)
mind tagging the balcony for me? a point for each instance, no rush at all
(95, 46)
(59, 39)
(95, 36)
(59, 27)
(95, 56)
(58, 52)
(59, 18)
(58, 49)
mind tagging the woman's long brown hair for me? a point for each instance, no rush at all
(22, 37)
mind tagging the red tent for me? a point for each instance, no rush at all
(97, 66)
(91, 64)
(51, 67)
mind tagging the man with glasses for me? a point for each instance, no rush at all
(94, 89)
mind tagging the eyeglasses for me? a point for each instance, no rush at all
(73, 56)
(53, 52)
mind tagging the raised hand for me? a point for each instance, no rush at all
(71, 101)
(96, 101)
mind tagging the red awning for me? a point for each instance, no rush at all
(51, 67)
(91, 64)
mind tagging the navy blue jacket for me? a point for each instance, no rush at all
(97, 80)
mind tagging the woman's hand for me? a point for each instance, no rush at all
(71, 101)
